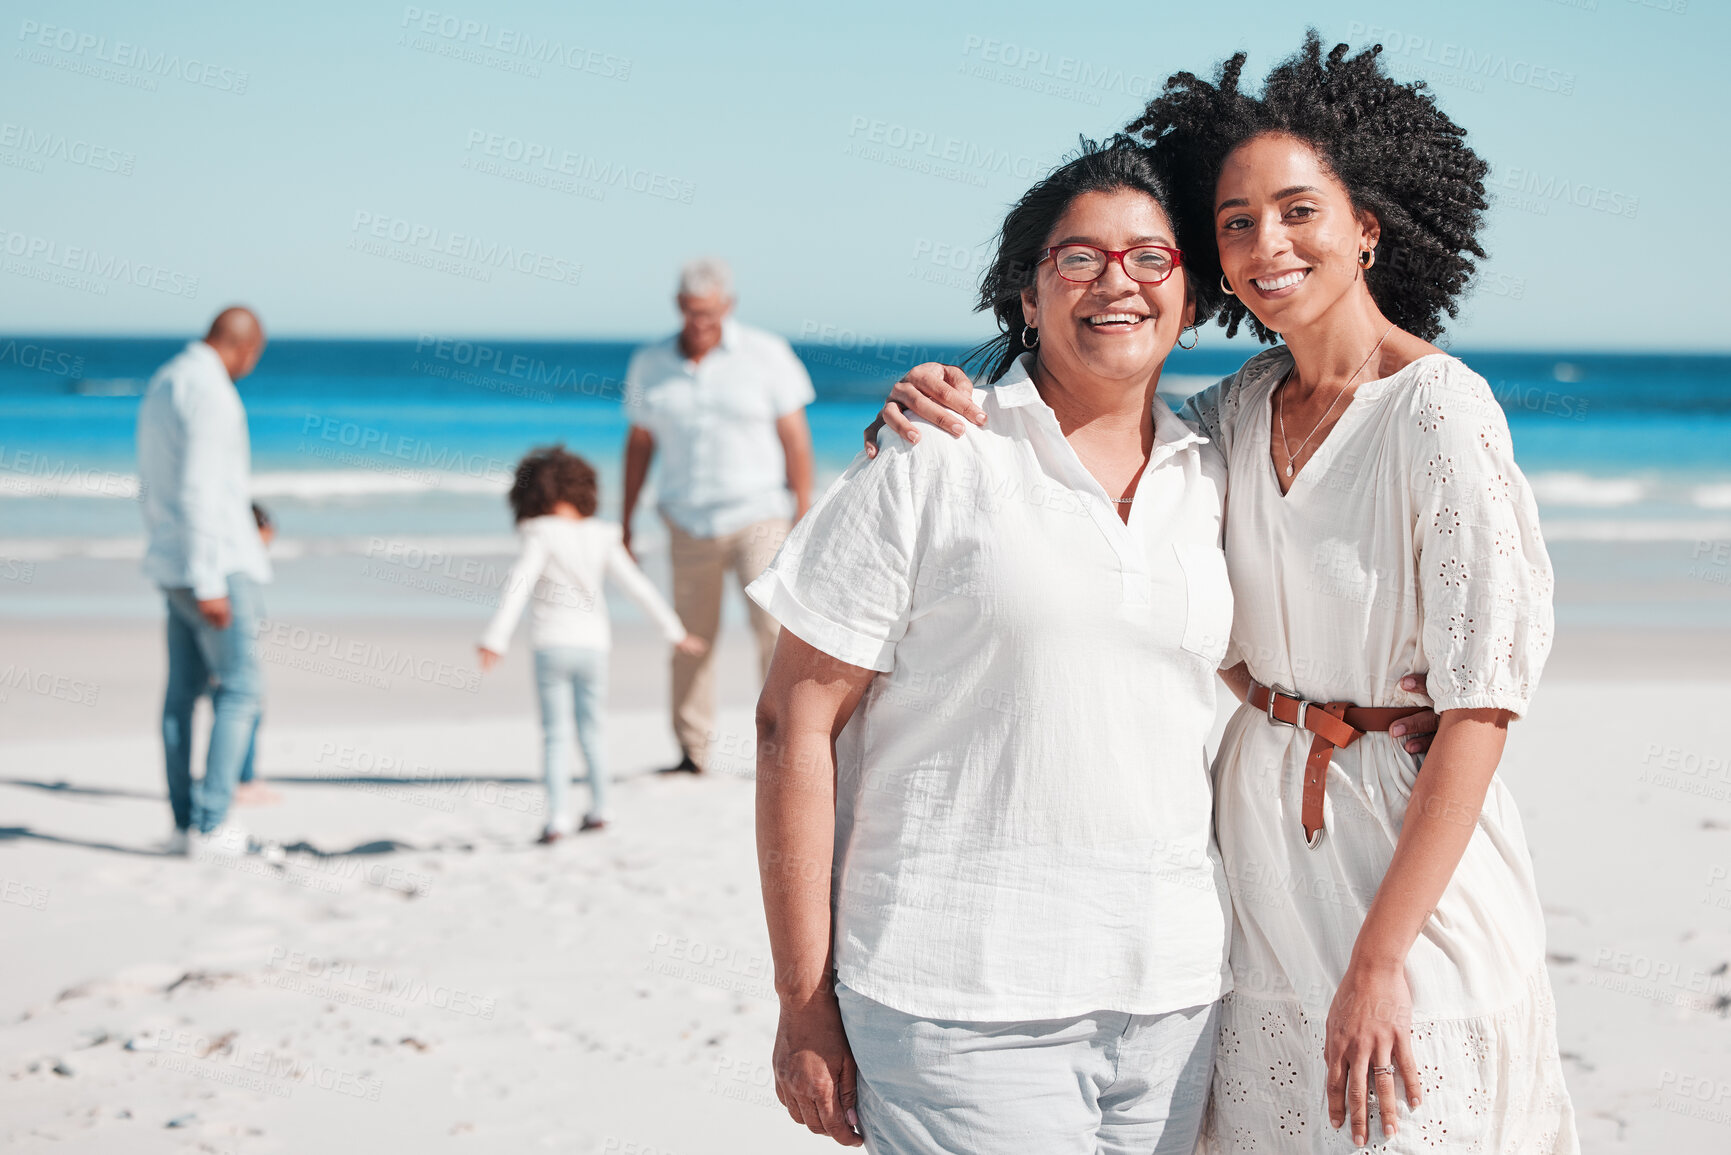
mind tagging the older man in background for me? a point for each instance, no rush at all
(724, 405)
(205, 552)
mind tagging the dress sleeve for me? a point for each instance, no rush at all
(1203, 411)
(1214, 410)
(641, 590)
(844, 579)
(1484, 578)
(519, 584)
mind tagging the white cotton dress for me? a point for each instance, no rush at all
(1409, 542)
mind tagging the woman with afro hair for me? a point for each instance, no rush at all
(1388, 941)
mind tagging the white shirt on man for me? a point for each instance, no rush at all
(1023, 794)
(713, 420)
(195, 478)
(559, 571)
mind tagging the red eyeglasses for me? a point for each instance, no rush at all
(1144, 264)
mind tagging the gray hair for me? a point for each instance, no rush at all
(704, 277)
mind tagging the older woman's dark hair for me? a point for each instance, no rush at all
(1119, 163)
(1387, 142)
(549, 475)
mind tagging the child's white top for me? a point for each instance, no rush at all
(562, 563)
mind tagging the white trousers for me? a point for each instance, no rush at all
(1105, 1083)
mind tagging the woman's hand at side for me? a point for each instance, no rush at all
(1370, 1025)
(1415, 731)
(807, 698)
(1370, 1019)
(814, 1068)
(931, 390)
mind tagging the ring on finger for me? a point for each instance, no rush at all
(1386, 1070)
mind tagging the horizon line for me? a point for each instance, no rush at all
(873, 340)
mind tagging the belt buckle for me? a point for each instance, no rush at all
(1303, 707)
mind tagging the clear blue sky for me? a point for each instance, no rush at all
(848, 161)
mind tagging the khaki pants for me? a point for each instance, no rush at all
(699, 566)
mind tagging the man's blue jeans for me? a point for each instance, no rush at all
(223, 663)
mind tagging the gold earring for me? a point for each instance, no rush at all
(1367, 258)
(1194, 338)
(1030, 337)
(1226, 288)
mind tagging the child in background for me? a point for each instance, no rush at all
(248, 792)
(564, 555)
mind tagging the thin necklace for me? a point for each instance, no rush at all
(1133, 482)
(1280, 403)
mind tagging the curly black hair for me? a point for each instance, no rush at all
(1117, 163)
(1398, 156)
(549, 475)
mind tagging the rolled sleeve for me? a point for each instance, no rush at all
(844, 579)
(837, 639)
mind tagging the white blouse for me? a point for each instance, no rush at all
(1022, 793)
(559, 572)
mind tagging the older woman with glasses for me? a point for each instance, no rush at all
(983, 798)
(1389, 944)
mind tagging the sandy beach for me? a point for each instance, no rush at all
(415, 975)
(695, 246)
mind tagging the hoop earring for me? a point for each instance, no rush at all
(1030, 337)
(1226, 288)
(1367, 258)
(1195, 338)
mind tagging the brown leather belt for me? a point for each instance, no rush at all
(1335, 726)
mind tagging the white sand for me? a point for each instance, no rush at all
(417, 976)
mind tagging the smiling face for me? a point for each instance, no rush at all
(1113, 328)
(1289, 237)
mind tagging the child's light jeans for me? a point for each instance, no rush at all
(572, 682)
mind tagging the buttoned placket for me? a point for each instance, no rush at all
(699, 465)
(703, 385)
(1134, 571)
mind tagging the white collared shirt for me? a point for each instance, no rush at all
(195, 477)
(561, 563)
(1023, 794)
(722, 465)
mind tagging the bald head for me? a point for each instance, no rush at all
(238, 339)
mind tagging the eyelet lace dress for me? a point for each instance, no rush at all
(1409, 542)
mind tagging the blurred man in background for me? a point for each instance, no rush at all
(204, 550)
(724, 405)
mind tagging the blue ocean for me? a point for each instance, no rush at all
(416, 438)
